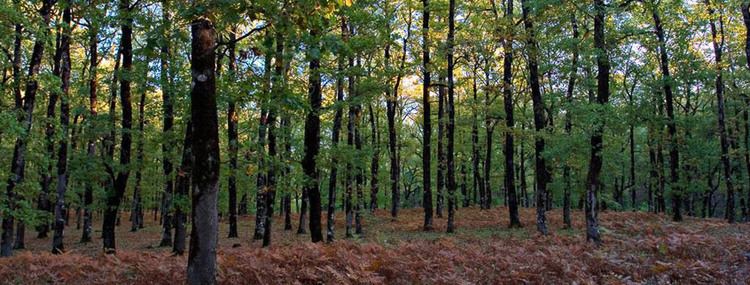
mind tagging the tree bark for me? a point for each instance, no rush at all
(203, 237)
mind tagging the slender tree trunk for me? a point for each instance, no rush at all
(569, 121)
(717, 37)
(232, 136)
(674, 154)
(427, 126)
(391, 106)
(182, 189)
(137, 209)
(168, 122)
(262, 177)
(335, 133)
(62, 154)
(441, 162)
(451, 160)
(278, 92)
(375, 162)
(593, 182)
(477, 182)
(25, 119)
(287, 171)
(114, 199)
(44, 203)
(312, 142)
(540, 122)
(746, 20)
(88, 196)
(508, 148)
(203, 237)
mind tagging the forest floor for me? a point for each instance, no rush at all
(637, 248)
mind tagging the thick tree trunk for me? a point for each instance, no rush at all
(508, 147)
(312, 142)
(204, 235)
(540, 122)
(25, 119)
(62, 153)
(427, 126)
(120, 183)
(717, 37)
(593, 182)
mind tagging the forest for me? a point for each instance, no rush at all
(374, 141)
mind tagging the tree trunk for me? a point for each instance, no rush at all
(88, 196)
(508, 148)
(278, 92)
(717, 37)
(203, 237)
(674, 154)
(540, 122)
(441, 162)
(232, 136)
(25, 119)
(335, 133)
(391, 106)
(312, 141)
(375, 162)
(426, 127)
(137, 208)
(168, 122)
(62, 154)
(451, 160)
(120, 183)
(182, 190)
(569, 122)
(593, 182)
